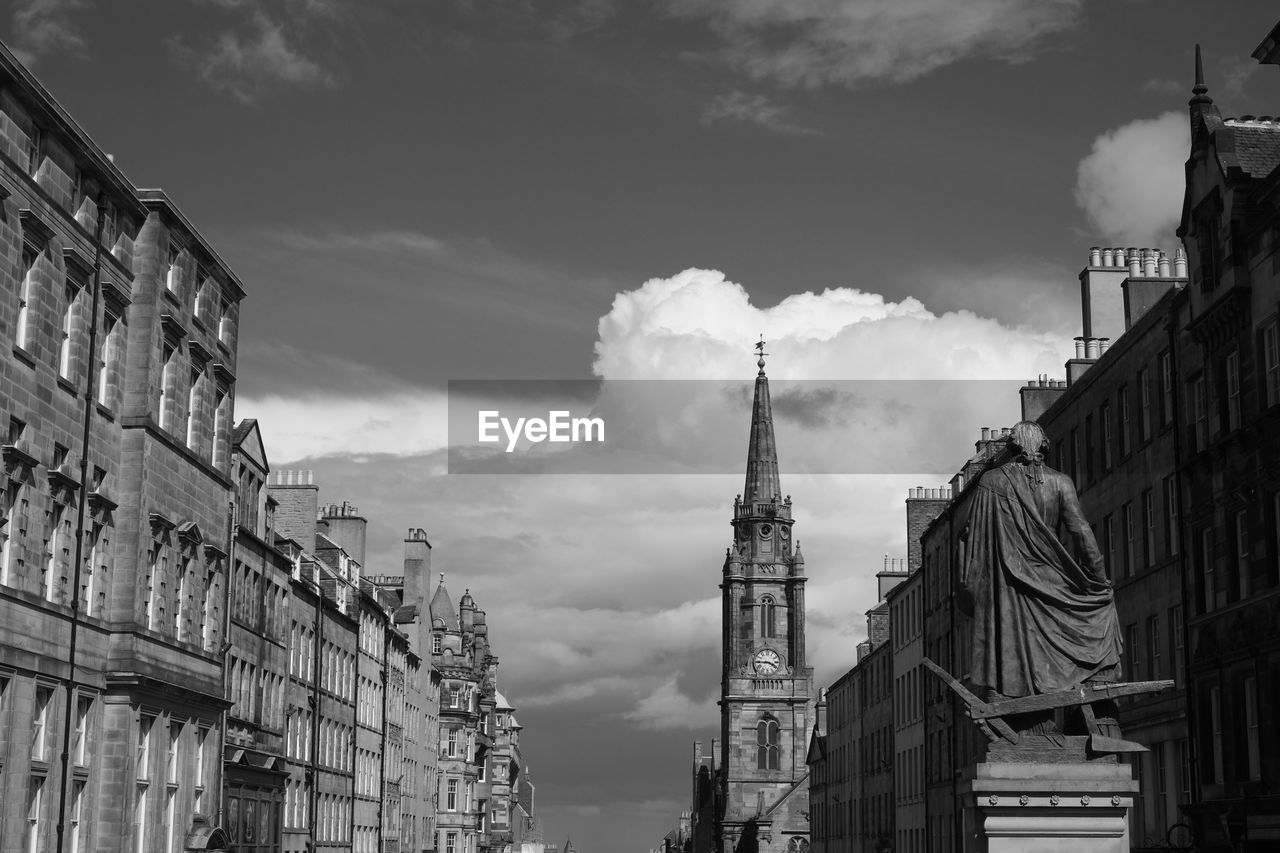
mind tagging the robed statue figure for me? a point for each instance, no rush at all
(1043, 620)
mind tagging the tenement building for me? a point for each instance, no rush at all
(117, 377)
(761, 794)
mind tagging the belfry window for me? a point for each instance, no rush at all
(768, 622)
(767, 735)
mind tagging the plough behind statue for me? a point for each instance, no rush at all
(990, 716)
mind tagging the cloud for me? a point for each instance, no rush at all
(698, 325)
(667, 708)
(42, 26)
(853, 42)
(248, 65)
(756, 109)
(1130, 185)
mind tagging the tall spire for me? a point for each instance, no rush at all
(762, 450)
(1200, 92)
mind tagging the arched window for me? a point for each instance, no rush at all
(767, 621)
(767, 733)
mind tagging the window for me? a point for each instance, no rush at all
(35, 150)
(35, 830)
(1166, 388)
(1148, 528)
(1110, 543)
(1215, 728)
(1200, 413)
(1144, 404)
(767, 625)
(1105, 416)
(1130, 540)
(1210, 598)
(175, 258)
(1242, 553)
(452, 748)
(40, 722)
(1131, 652)
(58, 556)
(1153, 647)
(451, 796)
(1254, 758)
(451, 842)
(171, 756)
(437, 644)
(1175, 619)
(1231, 370)
(80, 751)
(145, 723)
(77, 809)
(1077, 457)
(71, 308)
(1171, 531)
(1271, 362)
(1125, 434)
(767, 737)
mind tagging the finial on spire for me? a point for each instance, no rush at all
(442, 578)
(759, 349)
(1200, 92)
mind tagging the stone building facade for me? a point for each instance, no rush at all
(113, 557)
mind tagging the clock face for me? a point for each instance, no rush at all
(766, 530)
(767, 661)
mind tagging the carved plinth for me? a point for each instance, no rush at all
(1049, 808)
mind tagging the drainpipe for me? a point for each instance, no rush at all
(313, 761)
(1184, 548)
(382, 758)
(69, 683)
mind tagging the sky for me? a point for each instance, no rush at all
(424, 191)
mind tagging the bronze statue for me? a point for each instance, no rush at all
(1042, 621)
(1045, 635)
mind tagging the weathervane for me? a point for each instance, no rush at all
(760, 351)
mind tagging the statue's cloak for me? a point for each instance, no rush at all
(1041, 621)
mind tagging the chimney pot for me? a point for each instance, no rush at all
(1108, 257)
(1095, 257)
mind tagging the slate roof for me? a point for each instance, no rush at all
(1257, 144)
(442, 608)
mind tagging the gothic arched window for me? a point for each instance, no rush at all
(767, 734)
(767, 621)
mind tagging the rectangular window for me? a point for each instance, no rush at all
(1166, 388)
(41, 720)
(76, 836)
(171, 755)
(1200, 413)
(1171, 531)
(451, 796)
(451, 842)
(1105, 415)
(80, 751)
(452, 742)
(35, 830)
(1126, 435)
(1153, 647)
(1077, 457)
(1148, 528)
(1144, 404)
(1175, 620)
(1271, 361)
(1232, 371)
(1184, 773)
(1109, 543)
(1088, 448)
(1130, 540)
(1207, 570)
(1215, 727)
(1131, 652)
(1252, 743)
(143, 759)
(1242, 553)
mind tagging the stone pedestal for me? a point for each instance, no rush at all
(1049, 808)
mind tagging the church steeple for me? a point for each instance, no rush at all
(762, 450)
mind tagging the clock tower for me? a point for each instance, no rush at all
(766, 686)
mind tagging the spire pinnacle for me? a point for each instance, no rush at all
(762, 451)
(1200, 92)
